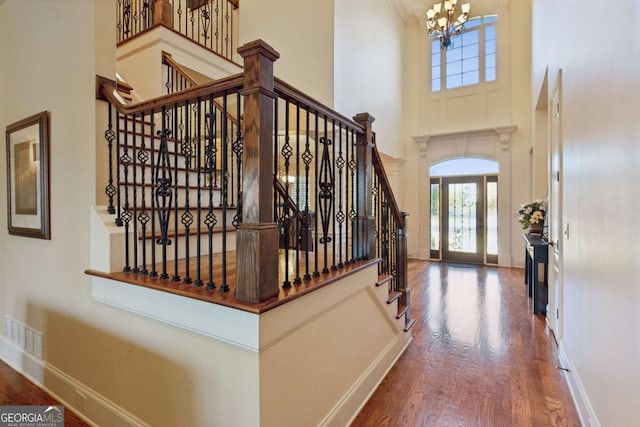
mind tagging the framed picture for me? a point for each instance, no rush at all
(28, 177)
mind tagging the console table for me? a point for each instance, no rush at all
(536, 256)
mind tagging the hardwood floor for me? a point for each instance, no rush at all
(15, 389)
(479, 356)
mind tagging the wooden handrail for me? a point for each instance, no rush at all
(277, 185)
(105, 87)
(185, 74)
(285, 90)
(166, 58)
(383, 180)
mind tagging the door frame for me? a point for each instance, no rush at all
(479, 256)
(554, 211)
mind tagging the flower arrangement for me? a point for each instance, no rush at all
(532, 214)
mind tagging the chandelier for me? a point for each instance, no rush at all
(445, 21)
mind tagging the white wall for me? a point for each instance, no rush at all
(302, 32)
(503, 103)
(165, 376)
(600, 135)
(368, 67)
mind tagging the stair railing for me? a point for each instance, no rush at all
(391, 236)
(165, 157)
(312, 185)
(210, 23)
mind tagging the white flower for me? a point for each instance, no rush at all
(528, 210)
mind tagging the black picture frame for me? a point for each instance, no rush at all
(28, 195)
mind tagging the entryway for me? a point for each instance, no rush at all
(464, 211)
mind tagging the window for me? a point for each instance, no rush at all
(470, 60)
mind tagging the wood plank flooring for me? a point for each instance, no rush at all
(479, 356)
(15, 389)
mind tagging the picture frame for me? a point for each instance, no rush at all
(28, 198)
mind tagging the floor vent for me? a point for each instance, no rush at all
(24, 337)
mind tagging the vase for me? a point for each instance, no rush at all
(535, 228)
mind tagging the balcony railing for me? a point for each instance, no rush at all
(210, 23)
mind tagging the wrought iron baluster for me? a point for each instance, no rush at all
(187, 217)
(205, 17)
(285, 219)
(198, 281)
(179, 13)
(325, 196)
(224, 286)
(333, 196)
(218, 43)
(307, 158)
(118, 219)
(143, 216)
(237, 150)
(110, 135)
(153, 170)
(178, 138)
(353, 164)
(125, 161)
(135, 268)
(226, 25)
(340, 162)
(298, 279)
(126, 19)
(163, 192)
(211, 219)
(316, 180)
(276, 152)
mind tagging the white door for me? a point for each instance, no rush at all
(555, 307)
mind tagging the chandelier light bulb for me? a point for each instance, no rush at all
(445, 20)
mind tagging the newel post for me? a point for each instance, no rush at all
(401, 261)
(163, 13)
(257, 236)
(365, 222)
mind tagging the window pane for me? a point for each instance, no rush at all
(435, 216)
(470, 78)
(435, 85)
(471, 64)
(454, 54)
(470, 50)
(435, 59)
(490, 74)
(490, 46)
(473, 22)
(454, 81)
(454, 68)
(490, 32)
(470, 37)
(492, 218)
(490, 60)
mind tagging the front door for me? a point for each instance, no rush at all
(463, 219)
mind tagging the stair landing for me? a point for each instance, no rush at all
(228, 298)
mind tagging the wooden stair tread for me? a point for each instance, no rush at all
(383, 278)
(409, 324)
(402, 310)
(393, 296)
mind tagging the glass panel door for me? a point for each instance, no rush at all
(463, 219)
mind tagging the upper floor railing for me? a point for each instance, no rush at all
(253, 154)
(210, 23)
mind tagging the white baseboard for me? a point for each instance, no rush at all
(585, 410)
(347, 408)
(98, 410)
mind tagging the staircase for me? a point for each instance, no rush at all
(252, 170)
